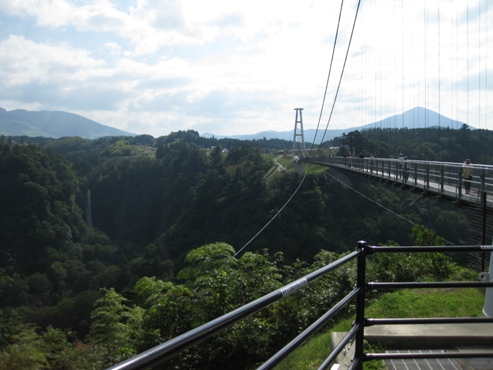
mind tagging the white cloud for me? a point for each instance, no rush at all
(231, 67)
(25, 61)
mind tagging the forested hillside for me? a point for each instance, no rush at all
(432, 144)
(111, 246)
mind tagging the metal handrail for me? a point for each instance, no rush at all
(300, 339)
(174, 346)
(367, 250)
(160, 353)
(443, 178)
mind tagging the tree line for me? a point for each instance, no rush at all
(169, 215)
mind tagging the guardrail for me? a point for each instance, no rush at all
(159, 354)
(443, 178)
(174, 346)
(368, 250)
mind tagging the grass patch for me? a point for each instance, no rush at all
(460, 302)
(467, 302)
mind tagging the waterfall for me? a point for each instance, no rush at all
(88, 209)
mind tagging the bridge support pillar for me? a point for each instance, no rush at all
(298, 119)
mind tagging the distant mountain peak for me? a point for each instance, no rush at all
(417, 117)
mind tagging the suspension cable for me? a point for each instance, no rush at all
(328, 75)
(380, 205)
(342, 73)
(277, 214)
(371, 200)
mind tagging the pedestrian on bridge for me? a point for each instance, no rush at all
(401, 166)
(372, 162)
(406, 174)
(467, 171)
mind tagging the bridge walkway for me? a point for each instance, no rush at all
(442, 179)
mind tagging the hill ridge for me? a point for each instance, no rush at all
(45, 123)
(417, 117)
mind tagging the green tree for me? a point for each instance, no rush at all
(216, 156)
(26, 351)
(113, 325)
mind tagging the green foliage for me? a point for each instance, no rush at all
(38, 193)
(150, 291)
(432, 144)
(401, 266)
(424, 236)
(71, 144)
(121, 148)
(216, 283)
(158, 208)
(113, 325)
(25, 352)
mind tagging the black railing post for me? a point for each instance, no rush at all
(360, 306)
(485, 213)
(483, 180)
(415, 174)
(427, 176)
(442, 178)
(459, 193)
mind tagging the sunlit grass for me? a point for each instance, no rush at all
(467, 302)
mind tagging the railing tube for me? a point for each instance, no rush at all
(332, 357)
(158, 354)
(441, 284)
(360, 306)
(308, 332)
(168, 349)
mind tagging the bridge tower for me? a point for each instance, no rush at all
(299, 119)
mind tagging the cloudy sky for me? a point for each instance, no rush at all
(233, 67)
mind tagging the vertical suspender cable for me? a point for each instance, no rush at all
(402, 60)
(457, 64)
(451, 59)
(426, 61)
(479, 66)
(438, 65)
(467, 69)
(414, 75)
(486, 64)
(375, 53)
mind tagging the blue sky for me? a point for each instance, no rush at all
(241, 67)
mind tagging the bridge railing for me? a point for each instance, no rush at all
(375, 286)
(440, 177)
(161, 353)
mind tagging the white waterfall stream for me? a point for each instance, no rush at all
(88, 209)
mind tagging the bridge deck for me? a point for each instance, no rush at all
(438, 178)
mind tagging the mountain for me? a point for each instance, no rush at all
(417, 117)
(55, 124)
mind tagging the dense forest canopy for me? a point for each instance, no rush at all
(432, 144)
(111, 246)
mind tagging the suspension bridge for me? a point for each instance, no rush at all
(403, 54)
